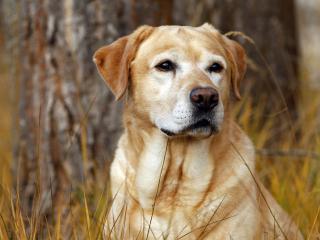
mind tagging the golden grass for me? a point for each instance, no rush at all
(291, 172)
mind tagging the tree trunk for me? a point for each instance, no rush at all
(308, 24)
(69, 121)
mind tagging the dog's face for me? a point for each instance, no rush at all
(179, 77)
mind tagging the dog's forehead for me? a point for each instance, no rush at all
(188, 39)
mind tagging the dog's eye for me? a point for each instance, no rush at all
(216, 68)
(166, 66)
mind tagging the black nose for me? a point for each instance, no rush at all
(205, 98)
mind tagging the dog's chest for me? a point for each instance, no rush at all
(174, 173)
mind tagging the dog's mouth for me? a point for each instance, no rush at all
(202, 127)
(204, 123)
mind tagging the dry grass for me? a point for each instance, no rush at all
(291, 172)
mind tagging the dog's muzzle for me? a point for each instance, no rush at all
(204, 101)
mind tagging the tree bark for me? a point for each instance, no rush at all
(69, 121)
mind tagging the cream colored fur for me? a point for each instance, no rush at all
(196, 184)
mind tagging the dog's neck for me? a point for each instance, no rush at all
(158, 161)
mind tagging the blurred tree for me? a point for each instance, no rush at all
(69, 122)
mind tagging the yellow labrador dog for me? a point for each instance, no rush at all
(183, 168)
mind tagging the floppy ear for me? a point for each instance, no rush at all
(238, 59)
(113, 61)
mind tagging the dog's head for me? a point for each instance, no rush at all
(178, 78)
